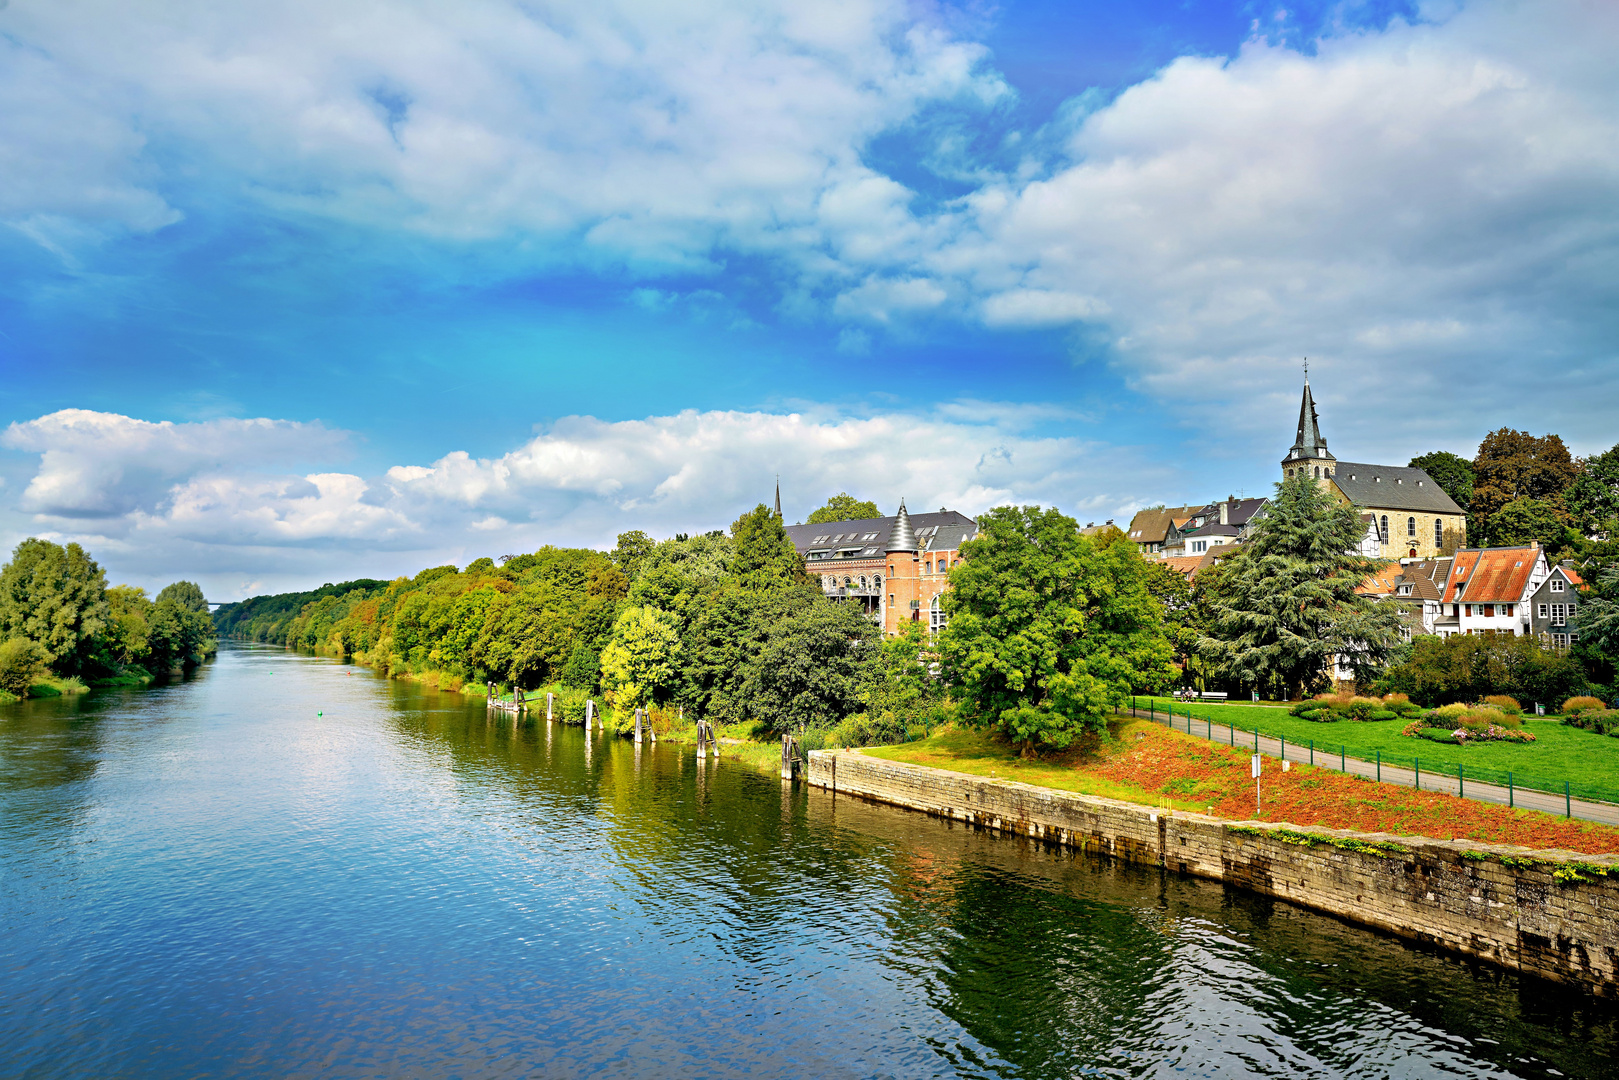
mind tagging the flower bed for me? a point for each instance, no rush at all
(1326, 708)
(1464, 725)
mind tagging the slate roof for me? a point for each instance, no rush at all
(1392, 487)
(947, 537)
(1491, 575)
(864, 539)
(1151, 526)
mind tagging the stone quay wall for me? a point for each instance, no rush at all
(1553, 914)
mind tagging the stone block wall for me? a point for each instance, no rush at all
(1551, 914)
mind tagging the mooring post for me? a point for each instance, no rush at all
(550, 701)
(638, 727)
(786, 757)
(589, 707)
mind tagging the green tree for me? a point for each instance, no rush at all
(583, 669)
(641, 661)
(1593, 497)
(1516, 465)
(844, 507)
(812, 664)
(1452, 472)
(1597, 619)
(1048, 631)
(633, 546)
(185, 593)
(1523, 520)
(129, 614)
(1467, 667)
(1284, 606)
(763, 551)
(55, 596)
(22, 662)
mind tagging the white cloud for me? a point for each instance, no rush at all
(227, 519)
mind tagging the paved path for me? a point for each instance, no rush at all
(1525, 798)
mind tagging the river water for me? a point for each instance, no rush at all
(286, 866)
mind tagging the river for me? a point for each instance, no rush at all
(287, 866)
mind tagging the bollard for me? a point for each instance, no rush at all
(1568, 803)
(1417, 766)
(1312, 751)
(1461, 788)
(1342, 766)
(1509, 788)
(1380, 766)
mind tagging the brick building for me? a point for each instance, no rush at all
(894, 567)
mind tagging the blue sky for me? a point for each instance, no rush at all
(310, 291)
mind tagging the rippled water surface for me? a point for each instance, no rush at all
(287, 866)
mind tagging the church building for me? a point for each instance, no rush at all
(1408, 515)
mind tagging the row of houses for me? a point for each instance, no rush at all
(896, 567)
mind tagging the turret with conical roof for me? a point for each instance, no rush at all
(901, 537)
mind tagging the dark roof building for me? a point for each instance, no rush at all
(868, 537)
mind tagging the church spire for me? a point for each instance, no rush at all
(778, 496)
(1309, 443)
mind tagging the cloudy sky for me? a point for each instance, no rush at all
(303, 290)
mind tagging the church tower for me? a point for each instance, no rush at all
(1309, 453)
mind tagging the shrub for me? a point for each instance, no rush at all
(1583, 703)
(1451, 711)
(1396, 699)
(1601, 721)
(21, 662)
(1383, 714)
(1506, 704)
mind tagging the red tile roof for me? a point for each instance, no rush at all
(1492, 575)
(1380, 582)
(1573, 578)
(1186, 564)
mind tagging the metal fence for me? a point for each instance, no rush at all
(1509, 787)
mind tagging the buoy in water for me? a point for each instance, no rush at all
(320, 714)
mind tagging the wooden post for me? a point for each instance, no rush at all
(786, 757)
(589, 706)
(550, 702)
(637, 727)
(700, 741)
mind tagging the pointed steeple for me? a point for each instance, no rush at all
(778, 496)
(1309, 443)
(901, 537)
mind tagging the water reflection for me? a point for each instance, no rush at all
(284, 868)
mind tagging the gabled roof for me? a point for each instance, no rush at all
(1422, 588)
(1184, 564)
(1491, 575)
(1213, 528)
(1151, 526)
(1570, 573)
(864, 538)
(1392, 487)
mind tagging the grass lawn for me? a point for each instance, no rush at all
(1587, 761)
(1146, 763)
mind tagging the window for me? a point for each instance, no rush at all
(937, 620)
(877, 583)
(862, 581)
(1559, 614)
(1318, 472)
(1410, 526)
(1438, 532)
(890, 599)
(1557, 584)
(1199, 546)
(1542, 612)
(1469, 610)
(1385, 529)
(1489, 611)
(915, 604)
(1506, 609)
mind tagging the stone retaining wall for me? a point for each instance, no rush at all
(1459, 895)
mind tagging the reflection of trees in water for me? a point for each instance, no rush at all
(1052, 960)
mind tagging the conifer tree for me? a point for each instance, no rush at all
(1284, 606)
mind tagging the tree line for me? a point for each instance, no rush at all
(58, 618)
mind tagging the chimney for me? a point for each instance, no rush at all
(1225, 513)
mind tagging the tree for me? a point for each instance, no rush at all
(583, 669)
(55, 596)
(1516, 465)
(1453, 474)
(129, 614)
(1597, 619)
(633, 546)
(187, 594)
(1049, 632)
(812, 666)
(1467, 667)
(1593, 497)
(22, 661)
(1284, 607)
(1523, 520)
(640, 663)
(763, 550)
(844, 507)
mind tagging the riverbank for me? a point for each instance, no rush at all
(1547, 913)
(1151, 765)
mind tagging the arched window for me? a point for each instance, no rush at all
(936, 617)
(877, 583)
(862, 581)
(1384, 532)
(1411, 526)
(1318, 472)
(1438, 532)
